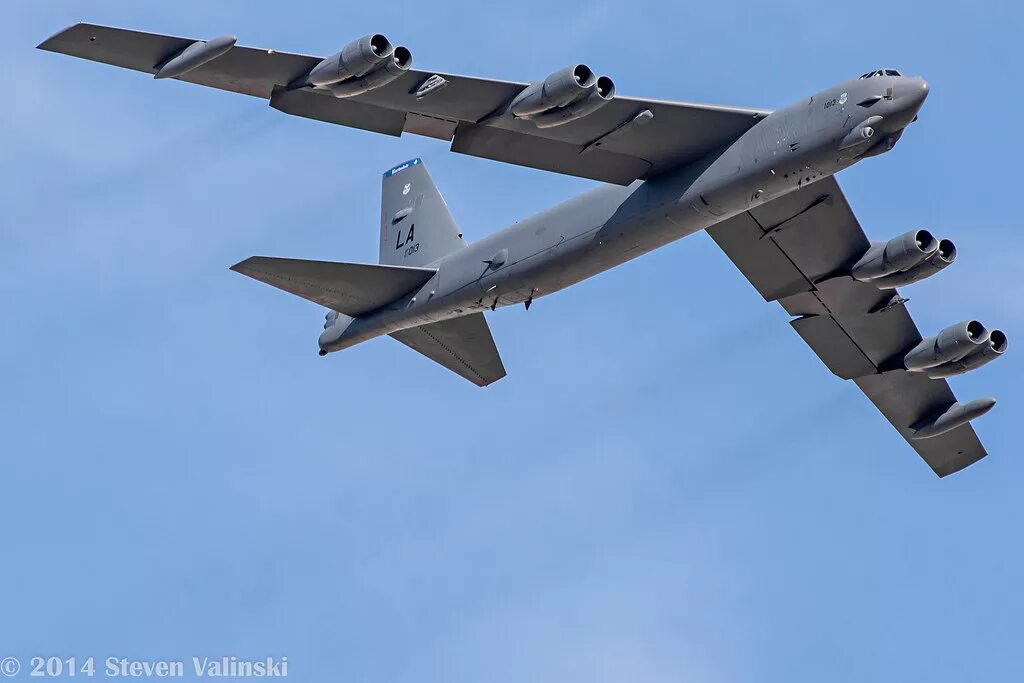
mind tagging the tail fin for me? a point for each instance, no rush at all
(416, 227)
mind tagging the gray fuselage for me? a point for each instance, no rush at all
(610, 225)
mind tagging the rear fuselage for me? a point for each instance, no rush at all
(605, 227)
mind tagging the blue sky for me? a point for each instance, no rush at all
(668, 486)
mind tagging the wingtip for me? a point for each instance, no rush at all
(45, 45)
(958, 465)
(240, 266)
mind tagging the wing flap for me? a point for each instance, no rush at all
(547, 155)
(760, 260)
(833, 345)
(344, 112)
(463, 345)
(350, 288)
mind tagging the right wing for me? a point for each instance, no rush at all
(463, 345)
(795, 250)
(627, 139)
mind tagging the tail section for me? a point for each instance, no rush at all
(416, 227)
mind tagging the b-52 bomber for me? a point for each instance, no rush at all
(760, 182)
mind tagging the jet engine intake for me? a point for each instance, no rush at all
(897, 255)
(566, 95)
(987, 353)
(598, 97)
(358, 58)
(398, 64)
(950, 345)
(943, 256)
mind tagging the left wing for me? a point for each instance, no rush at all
(798, 250)
(627, 139)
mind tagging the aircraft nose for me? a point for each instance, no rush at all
(917, 90)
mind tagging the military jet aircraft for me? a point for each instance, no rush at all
(760, 182)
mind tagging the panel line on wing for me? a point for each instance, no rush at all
(772, 234)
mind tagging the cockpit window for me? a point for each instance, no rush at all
(881, 72)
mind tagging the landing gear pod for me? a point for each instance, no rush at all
(194, 56)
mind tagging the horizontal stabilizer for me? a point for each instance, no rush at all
(350, 288)
(463, 345)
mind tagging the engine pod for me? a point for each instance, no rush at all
(897, 255)
(943, 257)
(398, 64)
(557, 90)
(949, 345)
(601, 95)
(355, 59)
(996, 347)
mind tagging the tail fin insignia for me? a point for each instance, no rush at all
(416, 227)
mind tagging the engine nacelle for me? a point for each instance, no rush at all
(897, 255)
(987, 353)
(943, 256)
(952, 344)
(602, 93)
(398, 64)
(566, 95)
(355, 59)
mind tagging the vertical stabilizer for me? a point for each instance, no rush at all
(416, 227)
